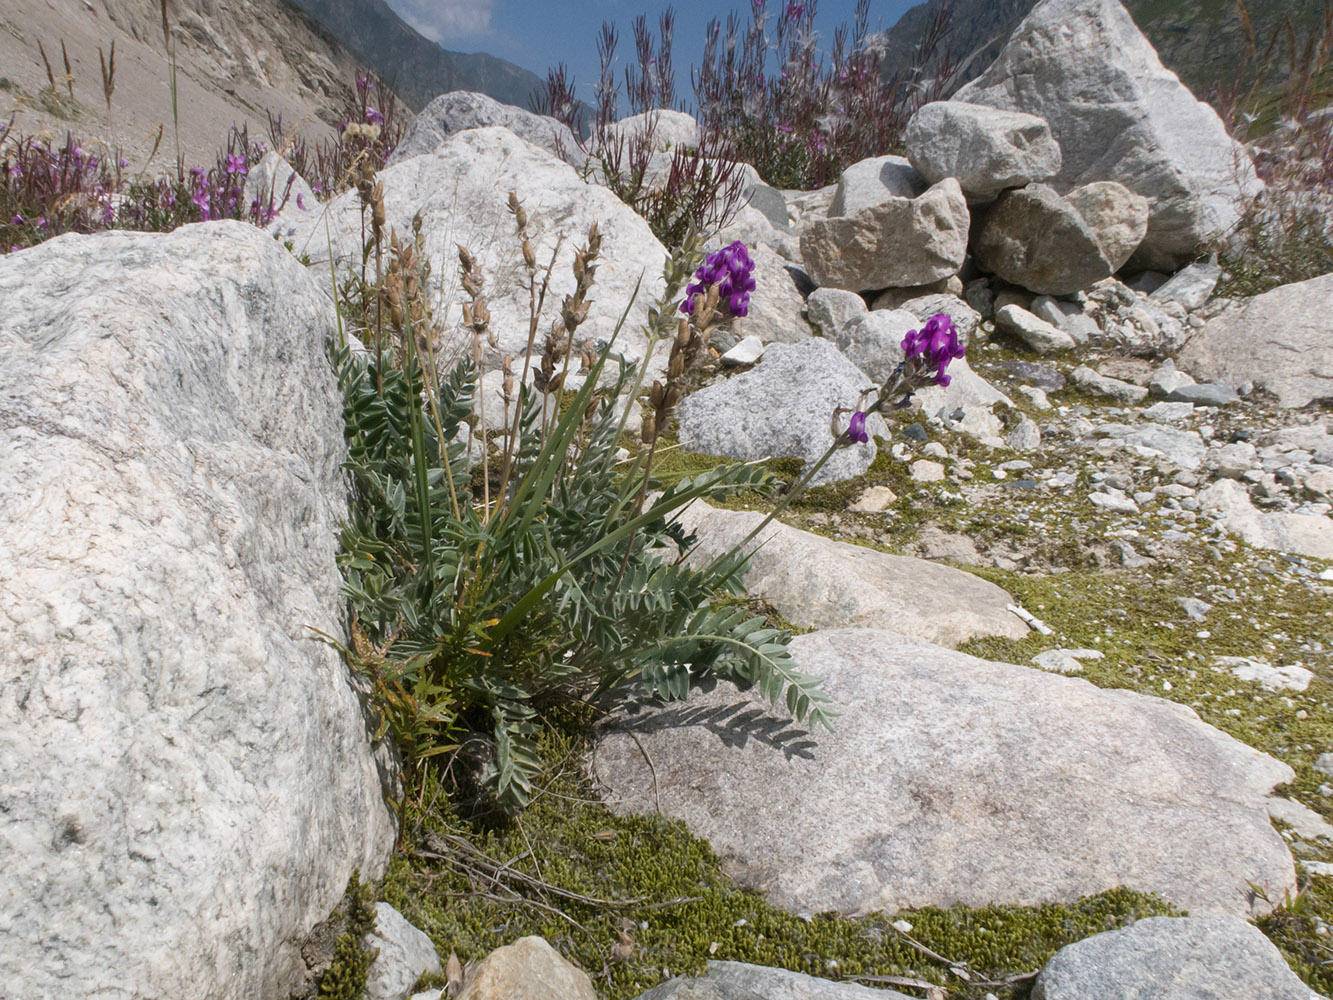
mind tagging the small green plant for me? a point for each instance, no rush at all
(554, 570)
(345, 979)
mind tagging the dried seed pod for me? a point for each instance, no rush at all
(677, 366)
(649, 432)
(682, 332)
(529, 258)
(657, 394)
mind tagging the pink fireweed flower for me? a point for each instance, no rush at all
(300, 202)
(374, 117)
(235, 164)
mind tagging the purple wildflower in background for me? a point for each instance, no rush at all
(300, 202)
(933, 346)
(235, 164)
(374, 117)
(730, 269)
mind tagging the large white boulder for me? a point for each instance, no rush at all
(1280, 341)
(895, 242)
(951, 779)
(461, 191)
(985, 149)
(1119, 115)
(457, 110)
(185, 774)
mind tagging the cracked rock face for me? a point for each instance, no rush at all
(973, 783)
(185, 775)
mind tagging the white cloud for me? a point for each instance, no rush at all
(447, 22)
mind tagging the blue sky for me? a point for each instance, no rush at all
(537, 35)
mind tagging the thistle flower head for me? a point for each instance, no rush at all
(730, 270)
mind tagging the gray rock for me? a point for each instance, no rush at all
(461, 190)
(873, 341)
(965, 319)
(1166, 379)
(1025, 437)
(777, 311)
(771, 202)
(1094, 383)
(984, 148)
(1118, 115)
(753, 228)
(1034, 238)
(1179, 447)
(1169, 413)
(829, 309)
(1066, 661)
(896, 242)
(186, 777)
(1263, 673)
(1204, 394)
(974, 783)
(404, 954)
(871, 182)
(1114, 501)
(1281, 341)
(782, 406)
(1116, 215)
(1035, 333)
(1066, 316)
(1303, 534)
(1196, 609)
(1191, 286)
(816, 582)
(738, 981)
(926, 471)
(1042, 376)
(1301, 818)
(746, 352)
(1232, 460)
(1324, 764)
(458, 110)
(528, 969)
(1172, 958)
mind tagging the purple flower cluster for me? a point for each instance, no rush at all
(933, 346)
(730, 270)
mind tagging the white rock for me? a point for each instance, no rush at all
(975, 783)
(1036, 333)
(404, 954)
(1066, 661)
(1118, 115)
(829, 309)
(458, 110)
(461, 190)
(1290, 678)
(984, 148)
(747, 352)
(185, 772)
(873, 181)
(1302, 534)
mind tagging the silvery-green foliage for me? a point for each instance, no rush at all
(568, 586)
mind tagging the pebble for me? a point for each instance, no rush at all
(874, 500)
(1205, 394)
(1115, 501)
(1194, 607)
(749, 350)
(1066, 661)
(1097, 384)
(926, 471)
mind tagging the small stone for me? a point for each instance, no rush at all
(1169, 413)
(926, 471)
(1115, 502)
(873, 500)
(1195, 608)
(1273, 678)
(1036, 333)
(1042, 376)
(1324, 764)
(1066, 661)
(1204, 394)
(1026, 436)
(1166, 379)
(1038, 396)
(1095, 383)
(405, 952)
(747, 352)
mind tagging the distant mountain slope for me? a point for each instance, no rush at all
(1200, 40)
(263, 55)
(417, 68)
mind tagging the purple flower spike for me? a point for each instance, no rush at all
(374, 117)
(933, 346)
(235, 164)
(856, 429)
(730, 269)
